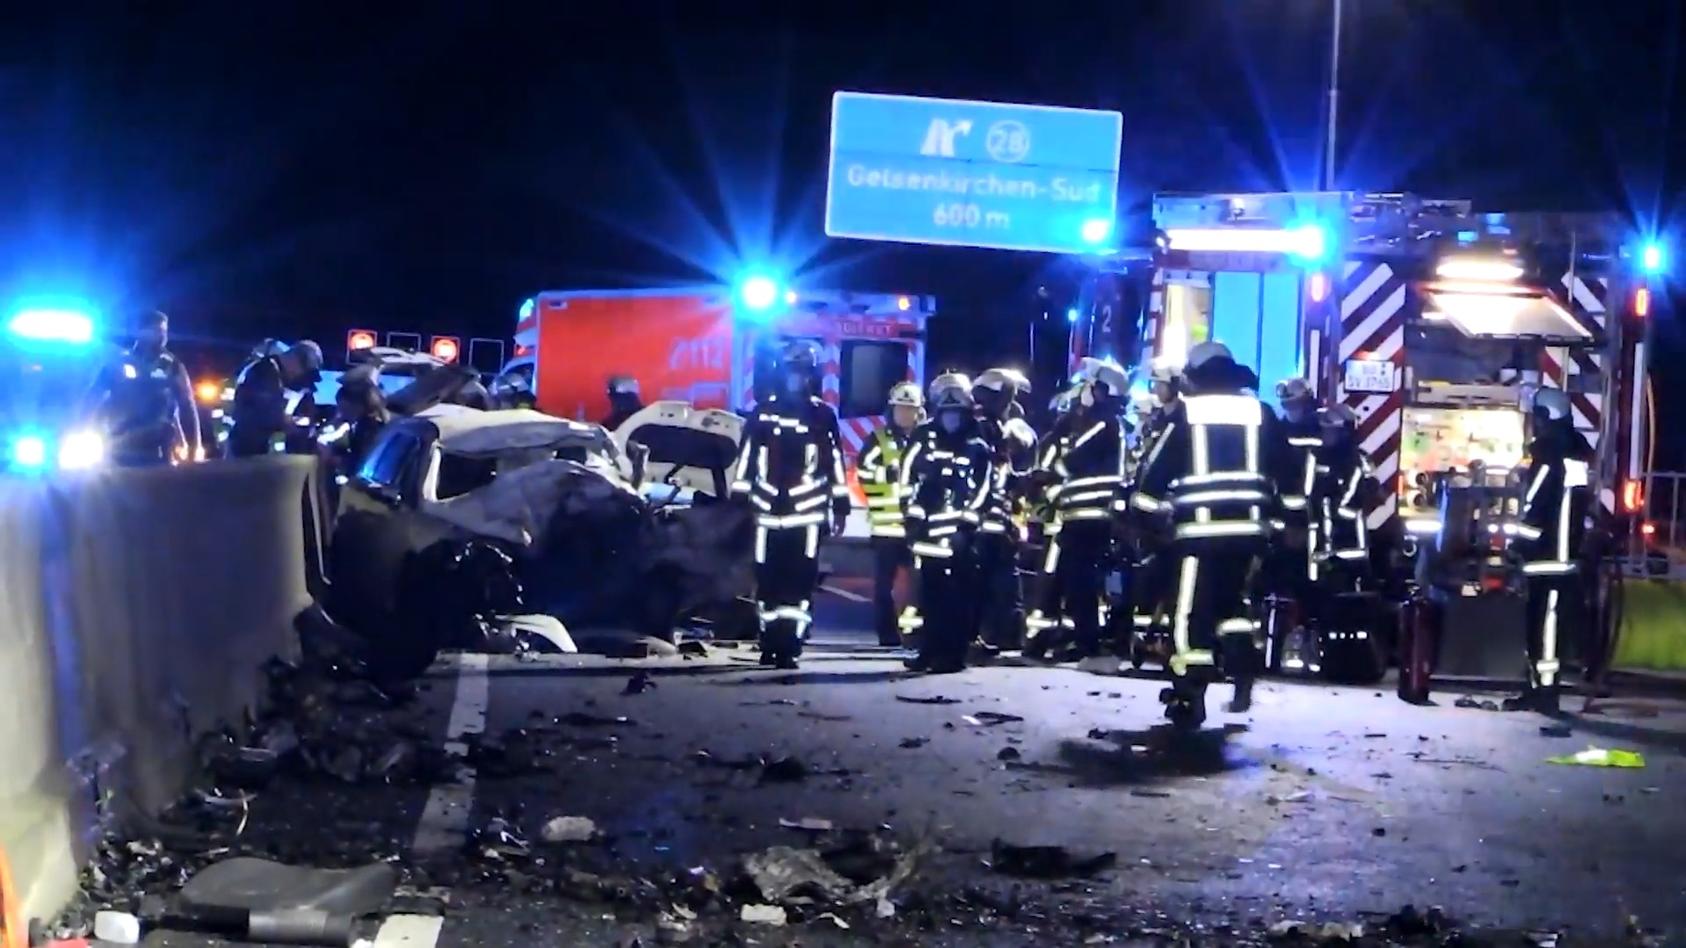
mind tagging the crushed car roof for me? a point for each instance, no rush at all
(464, 430)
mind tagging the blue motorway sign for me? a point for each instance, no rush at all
(979, 174)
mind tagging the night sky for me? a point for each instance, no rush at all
(268, 169)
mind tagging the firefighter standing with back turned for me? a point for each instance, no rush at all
(1553, 515)
(1013, 444)
(879, 471)
(948, 472)
(790, 468)
(1292, 565)
(1214, 472)
(1087, 467)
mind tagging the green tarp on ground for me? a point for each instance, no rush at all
(1653, 626)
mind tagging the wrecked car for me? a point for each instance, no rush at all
(559, 499)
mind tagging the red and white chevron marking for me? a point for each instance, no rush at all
(1373, 328)
(1586, 300)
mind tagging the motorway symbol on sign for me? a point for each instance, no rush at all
(978, 174)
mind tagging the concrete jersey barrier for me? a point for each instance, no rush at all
(139, 609)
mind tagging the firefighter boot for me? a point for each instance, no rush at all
(1185, 704)
(1241, 662)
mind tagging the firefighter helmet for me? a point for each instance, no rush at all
(1293, 389)
(1163, 372)
(309, 355)
(1105, 371)
(623, 385)
(1004, 379)
(951, 390)
(1553, 402)
(800, 354)
(906, 395)
(1207, 352)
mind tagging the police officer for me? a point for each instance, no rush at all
(790, 468)
(625, 401)
(1012, 444)
(1086, 468)
(145, 401)
(1551, 525)
(879, 471)
(949, 473)
(274, 398)
(1214, 473)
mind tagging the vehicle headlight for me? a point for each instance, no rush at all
(81, 450)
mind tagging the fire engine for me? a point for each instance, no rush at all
(1429, 319)
(716, 347)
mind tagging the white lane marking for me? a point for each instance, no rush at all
(845, 594)
(444, 823)
(410, 931)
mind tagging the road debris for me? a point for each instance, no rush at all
(1046, 862)
(117, 928)
(812, 824)
(639, 683)
(1601, 757)
(1555, 730)
(1470, 702)
(782, 871)
(693, 648)
(910, 743)
(763, 915)
(569, 829)
(933, 699)
(783, 770)
(990, 718)
(1008, 753)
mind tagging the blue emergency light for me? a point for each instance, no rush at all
(29, 452)
(1071, 315)
(1096, 230)
(1653, 258)
(52, 324)
(1308, 242)
(758, 292)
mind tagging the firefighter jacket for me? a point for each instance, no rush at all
(1086, 462)
(1214, 471)
(879, 471)
(1339, 489)
(1555, 506)
(1304, 438)
(790, 465)
(947, 480)
(1012, 444)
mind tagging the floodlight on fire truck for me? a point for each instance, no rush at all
(359, 339)
(1479, 269)
(445, 348)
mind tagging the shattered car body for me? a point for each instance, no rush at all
(559, 497)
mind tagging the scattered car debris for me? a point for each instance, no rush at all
(763, 915)
(990, 718)
(569, 829)
(117, 928)
(1046, 862)
(1008, 753)
(812, 824)
(585, 719)
(932, 699)
(1468, 701)
(783, 770)
(693, 648)
(1555, 730)
(639, 683)
(782, 871)
(910, 743)
(1601, 757)
(1150, 794)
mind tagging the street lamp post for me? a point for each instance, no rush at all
(1328, 179)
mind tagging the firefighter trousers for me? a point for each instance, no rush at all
(1556, 608)
(787, 570)
(1076, 570)
(947, 603)
(890, 558)
(1212, 627)
(999, 598)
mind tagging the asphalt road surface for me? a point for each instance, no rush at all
(1322, 804)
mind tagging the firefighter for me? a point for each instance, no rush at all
(362, 415)
(145, 401)
(625, 401)
(790, 468)
(1549, 533)
(1214, 473)
(1012, 444)
(1291, 568)
(1086, 469)
(274, 398)
(949, 474)
(879, 471)
(1150, 576)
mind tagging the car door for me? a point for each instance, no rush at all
(377, 528)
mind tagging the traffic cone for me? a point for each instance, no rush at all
(14, 929)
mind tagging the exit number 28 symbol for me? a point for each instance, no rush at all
(1008, 141)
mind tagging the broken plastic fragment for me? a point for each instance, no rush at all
(762, 914)
(811, 823)
(1601, 757)
(569, 829)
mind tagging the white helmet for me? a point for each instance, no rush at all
(1208, 351)
(1103, 371)
(1162, 371)
(1553, 402)
(1003, 379)
(1293, 388)
(951, 390)
(906, 395)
